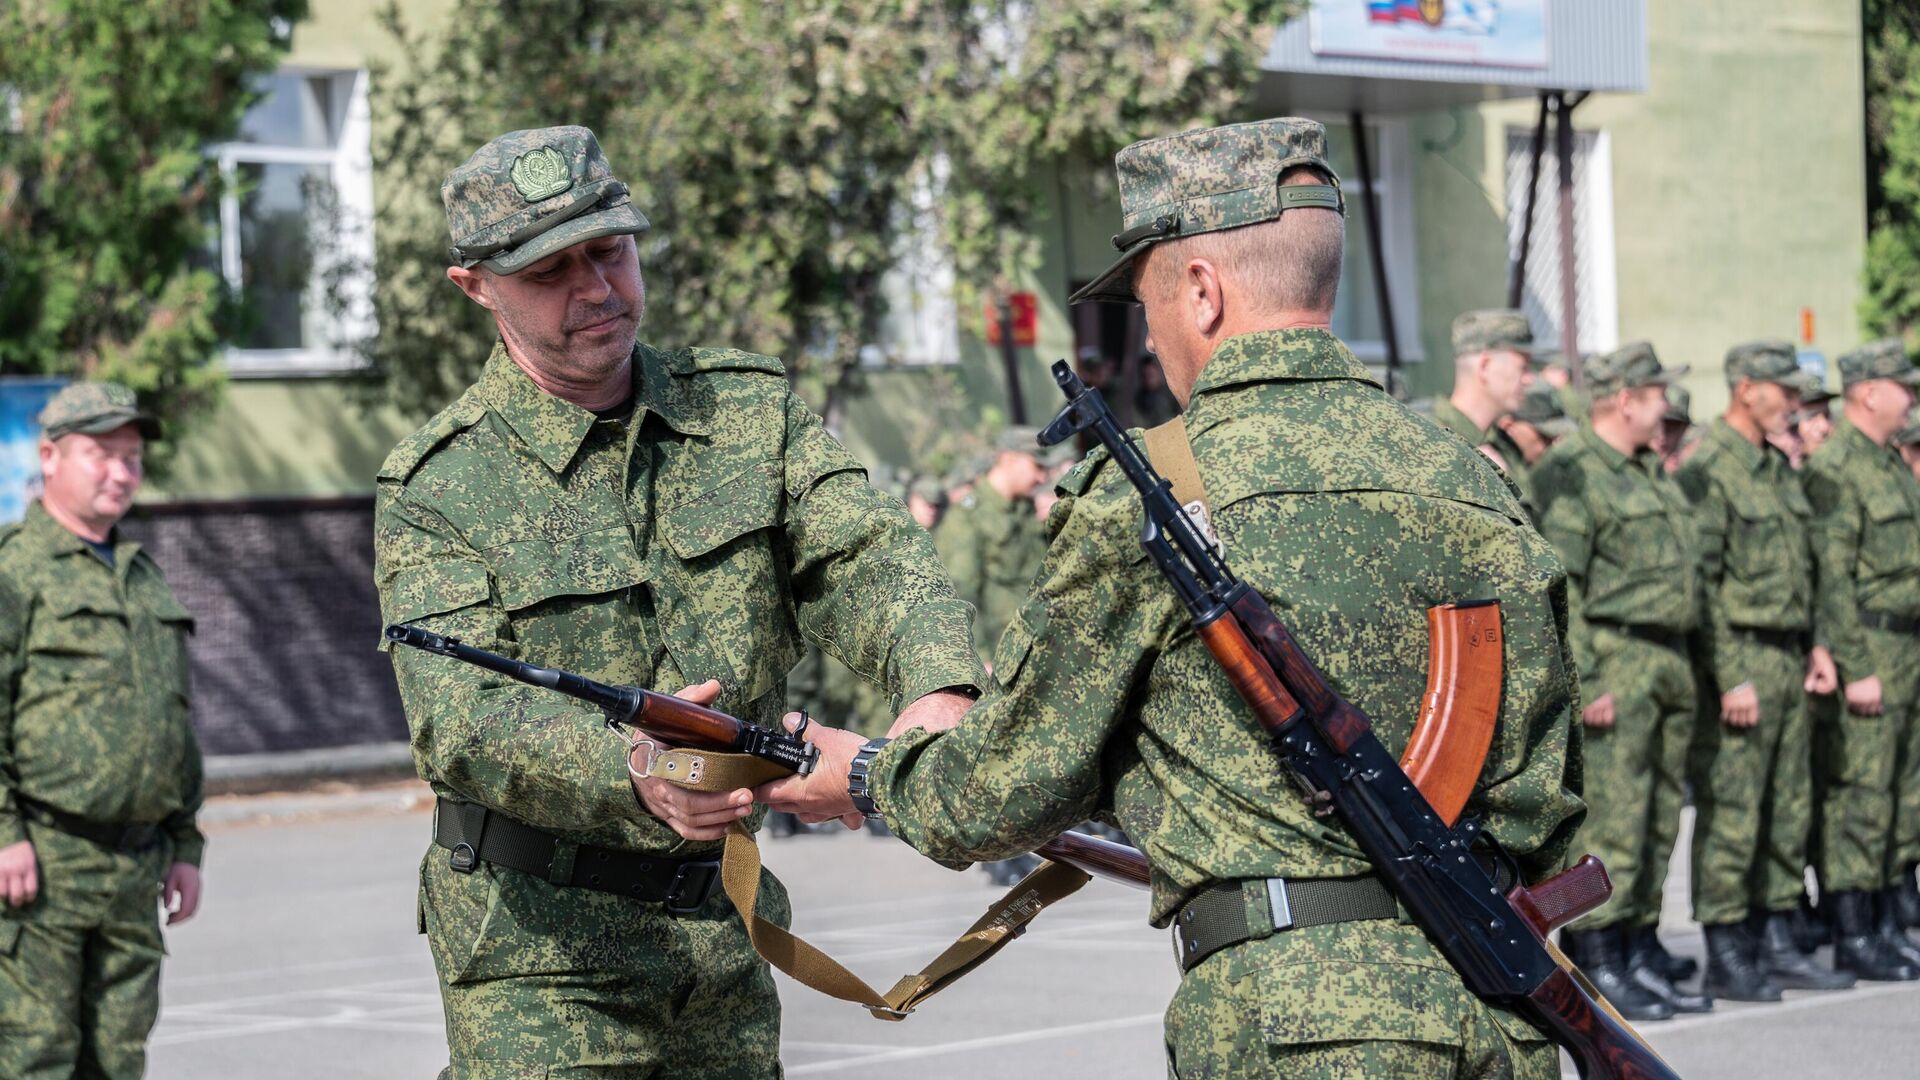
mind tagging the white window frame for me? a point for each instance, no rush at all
(350, 168)
(1599, 296)
(1393, 189)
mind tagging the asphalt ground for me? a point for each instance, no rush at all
(303, 963)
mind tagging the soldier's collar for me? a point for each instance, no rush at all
(554, 428)
(656, 392)
(1613, 459)
(1752, 458)
(63, 541)
(1279, 355)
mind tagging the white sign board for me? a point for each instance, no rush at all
(1490, 33)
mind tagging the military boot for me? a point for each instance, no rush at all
(1856, 942)
(1603, 959)
(1909, 898)
(1887, 925)
(1643, 967)
(1810, 929)
(1731, 972)
(1779, 958)
(1674, 968)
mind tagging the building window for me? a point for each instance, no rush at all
(1596, 295)
(1356, 311)
(295, 228)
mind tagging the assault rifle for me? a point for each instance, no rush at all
(1494, 937)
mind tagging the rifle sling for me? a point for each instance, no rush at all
(1172, 455)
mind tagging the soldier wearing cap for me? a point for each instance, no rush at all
(1492, 369)
(1866, 546)
(1907, 441)
(1679, 437)
(1814, 423)
(1751, 771)
(1623, 529)
(1521, 438)
(1352, 515)
(640, 516)
(100, 774)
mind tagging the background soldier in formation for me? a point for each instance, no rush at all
(639, 517)
(1752, 769)
(100, 775)
(1866, 535)
(1520, 439)
(1105, 700)
(1623, 531)
(1492, 369)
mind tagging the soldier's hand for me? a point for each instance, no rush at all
(1822, 676)
(1600, 713)
(180, 895)
(822, 794)
(1740, 706)
(937, 711)
(1863, 696)
(19, 874)
(696, 815)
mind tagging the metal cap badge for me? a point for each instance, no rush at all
(528, 194)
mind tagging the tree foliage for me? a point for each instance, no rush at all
(783, 152)
(106, 195)
(1892, 304)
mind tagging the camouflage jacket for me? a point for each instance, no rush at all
(992, 546)
(1449, 416)
(1756, 569)
(1515, 465)
(1352, 516)
(703, 537)
(1625, 534)
(1866, 541)
(93, 717)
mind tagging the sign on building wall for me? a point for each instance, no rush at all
(1495, 33)
(20, 402)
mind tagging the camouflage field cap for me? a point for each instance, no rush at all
(1885, 359)
(94, 408)
(1018, 439)
(1494, 329)
(1908, 435)
(1206, 180)
(1773, 361)
(1679, 405)
(528, 194)
(1540, 408)
(1626, 368)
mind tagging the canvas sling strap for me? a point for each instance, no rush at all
(1172, 456)
(1004, 920)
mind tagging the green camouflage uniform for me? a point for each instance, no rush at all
(1541, 410)
(1752, 786)
(93, 722)
(1624, 532)
(704, 536)
(1866, 545)
(1449, 416)
(992, 546)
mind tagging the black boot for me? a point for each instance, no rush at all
(1887, 924)
(1673, 968)
(1604, 961)
(1810, 929)
(1781, 960)
(1909, 898)
(1643, 967)
(1856, 942)
(1731, 973)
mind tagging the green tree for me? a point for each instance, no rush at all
(106, 195)
(783, 152)
(1892, 303)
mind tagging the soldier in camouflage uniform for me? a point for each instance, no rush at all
(1751, 771)
(1866, 545)
(639, 516)
(100, 774)
(991, 542)
(1519, 440)
(1492, 358)
(1623, 530)
(1352, 515)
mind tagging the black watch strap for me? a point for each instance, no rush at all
(858, 787)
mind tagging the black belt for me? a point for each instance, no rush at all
(1899, 624)
(126, 839)
(1791, 640)
(475, 835)
(1217, 918)
(1653, 635)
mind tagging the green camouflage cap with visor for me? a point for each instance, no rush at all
(1540, 409)
(94, 408)
(1885, 359)
(1628, 367)
(1909, 434)
(528, 194)
(1018, 439)
(1209, 179)
(1679, 406)
(1773, 361)
(1494, 330)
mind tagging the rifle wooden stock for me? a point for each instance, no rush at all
(683, 723)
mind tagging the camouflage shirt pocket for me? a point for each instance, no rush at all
(85, 638)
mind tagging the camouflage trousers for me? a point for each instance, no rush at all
(1358, 999)
(1636, 773)
(1752, 789)
(1868, 767)
(543, 981)
(80, 966)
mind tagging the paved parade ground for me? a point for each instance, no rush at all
(304, 965)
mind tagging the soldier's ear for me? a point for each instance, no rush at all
(474, 283)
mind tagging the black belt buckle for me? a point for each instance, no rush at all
(692, 885)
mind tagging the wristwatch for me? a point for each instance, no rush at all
(857, 787)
